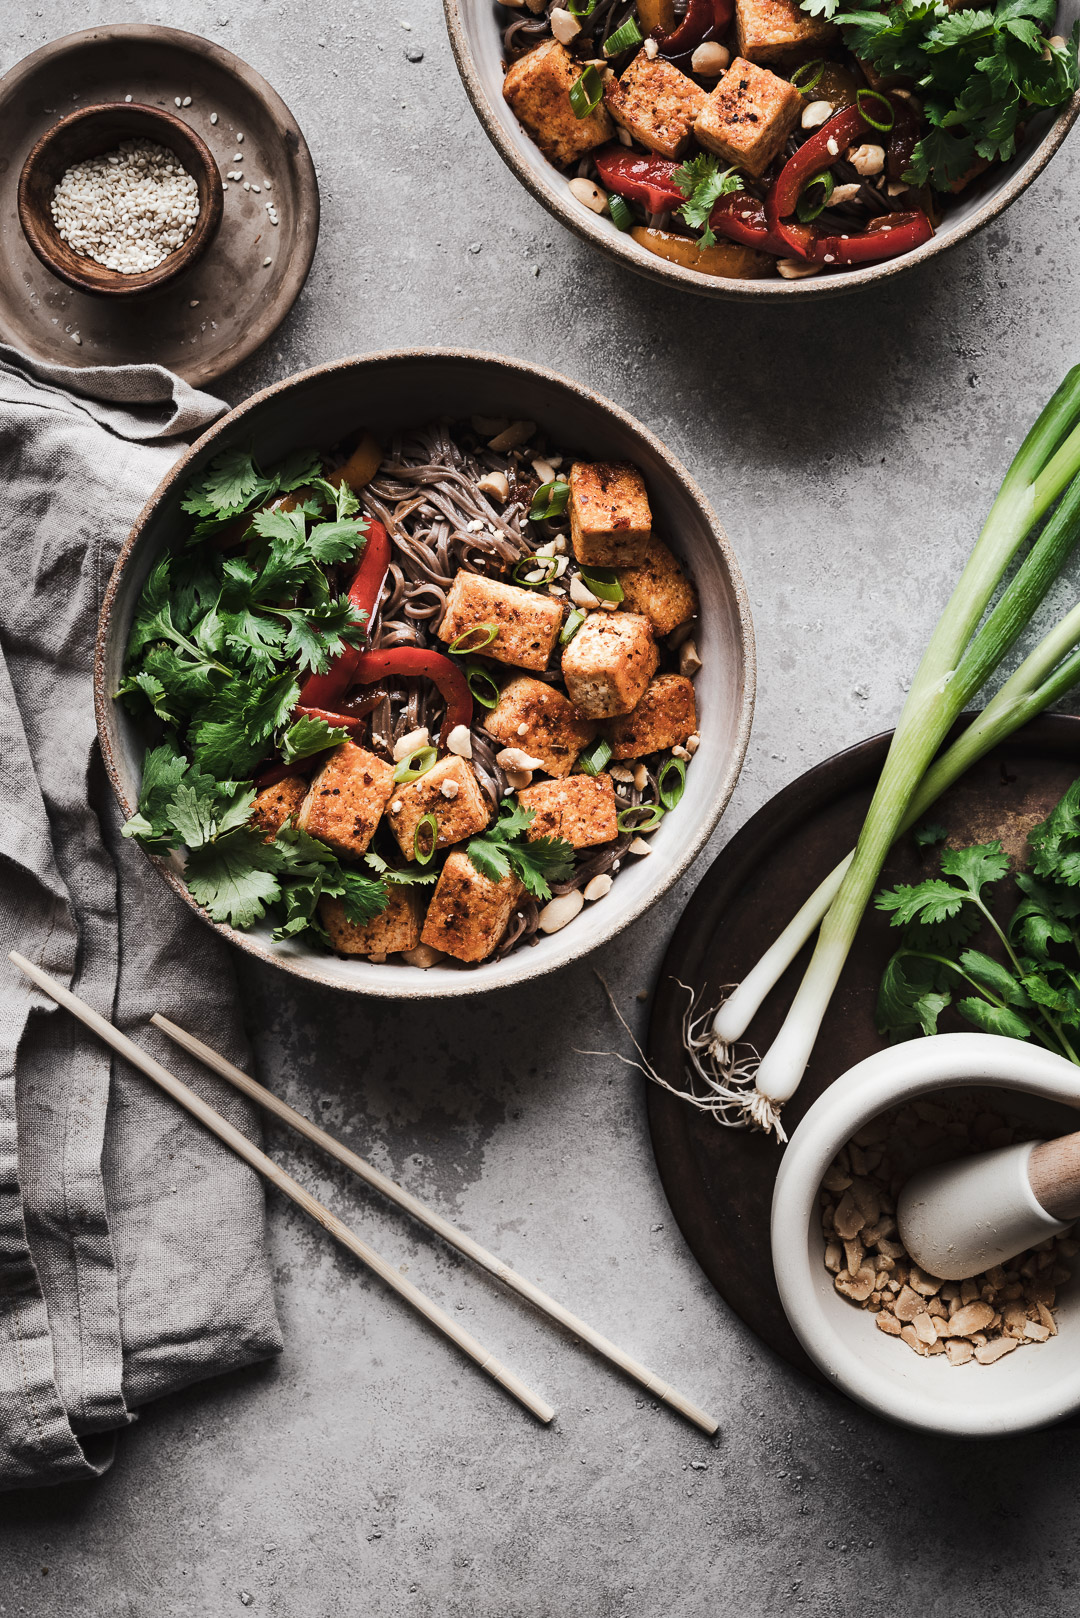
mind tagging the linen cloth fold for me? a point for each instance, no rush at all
(132, 1243)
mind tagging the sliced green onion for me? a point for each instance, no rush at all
(418, 763)
(669, 792)
(571, 627)
(654, 811)
(808, 206)
(621, 217)
(587, 92)
(623, 38)
(593, 759)
(483, 687)
(463, 644)
(549, 500)
(426, 827)
(547, 565)
(805, 77)
(603, 582)
(882, 106)
(577, 9)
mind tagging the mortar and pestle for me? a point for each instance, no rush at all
(956, 1220)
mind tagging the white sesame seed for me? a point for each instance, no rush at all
(194, 304)
(178, 101)
(246, 186)
(127, 98)
(75, 338)
(267, 261)
(240, 137)
(213, 117)
(254, 188)
(187, 101)
(238, 157)
(127, 209)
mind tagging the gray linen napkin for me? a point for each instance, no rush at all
(132, 1252)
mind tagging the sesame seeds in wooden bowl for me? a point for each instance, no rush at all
(119, 199)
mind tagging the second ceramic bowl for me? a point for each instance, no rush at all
(407, 388)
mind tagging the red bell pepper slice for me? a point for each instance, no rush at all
(819, 152)
(887, 237)
(325, 690)
(704, 19)
(640, 179)
(412, 661)
(741, 217)
(340, 721)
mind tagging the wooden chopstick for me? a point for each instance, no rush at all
(427, 1216)
(266, 1166)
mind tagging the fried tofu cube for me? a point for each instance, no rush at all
(274, 806)
(460, 811)
(581, 809)
(538, 89)
(469, 913)
(659, 589)
(394, 929)
(542, 722)
(346, 799)
(749, 116)
(528, 623)
(656, 103)
(610, 515)
(665, 717)
(779, 31)
(609, 663)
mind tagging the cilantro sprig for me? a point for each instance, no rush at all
(505, 847)
(1031, 988)
(978, 73)
(702, 182)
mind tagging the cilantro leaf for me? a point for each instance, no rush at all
(931, 902)
(363, 897)
(400, 876)
(702, 182)
(163, 768)
(927, 835)
(976, 866)
(234, 879)
(202, 809)
(306, 736)
(990, 974)
(504, 848)
(994, 1019)
(911, 997)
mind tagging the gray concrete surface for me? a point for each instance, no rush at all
(851, 451)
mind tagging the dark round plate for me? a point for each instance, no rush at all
(218, 312)
(719, 1181)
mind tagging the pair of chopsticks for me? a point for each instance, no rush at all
(266, 1166)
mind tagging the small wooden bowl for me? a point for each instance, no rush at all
(88, 133)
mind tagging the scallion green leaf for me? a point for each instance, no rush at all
(653, 812)
(425, 839)
(549, 500)
(418, 763)
(667, 790)
(805, 77)
(548, 567)
(603, 582)
(483, 687)
(587, 92)
(881, 115)
(462, 645)
(594, 758)
(621, 217)
(571, 626)
(815, 196)
(581, 8)
(624, 38)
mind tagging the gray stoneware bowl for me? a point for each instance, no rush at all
(476, 38)
(408, 387)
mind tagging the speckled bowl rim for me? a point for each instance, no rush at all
(519, 967)
(590, 228)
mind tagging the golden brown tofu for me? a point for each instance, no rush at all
(469, 913)
(582, 809)
(609, 663)
(273, 807)
(665, 717)
(460, 811)
(528, 623)
(656, 103)
(610, 516)
(660, 589)
(748, 117)
(394, 929)
(542, 722)
(538, 89)
(779, 31)
(346, 799)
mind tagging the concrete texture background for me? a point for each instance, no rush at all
(851, 450)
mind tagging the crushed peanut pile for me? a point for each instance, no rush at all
(981, 1319)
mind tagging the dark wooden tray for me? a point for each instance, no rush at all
(218, 312)
(719, 1181)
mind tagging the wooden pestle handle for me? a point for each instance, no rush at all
(1054, 1174)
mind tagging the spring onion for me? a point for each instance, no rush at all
(415, 764)
(603, 582)
(549, 500)
(624, 38)
(587, 92)
(570, 628)
(808, 206)
(464, 644)
(581, 8)
(667, 790)
(876, 109)
(546, 566)
(594, 758)
(484, 689)
(425, 839)
(626, 823)
(956, 661)
(805, 77)
(621, 217)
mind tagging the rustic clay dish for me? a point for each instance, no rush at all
(476, 39)
(88, 133)
(405, 388)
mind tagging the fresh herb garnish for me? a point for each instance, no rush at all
(549, 500)
(623, 38)
(595, 757)
(587, 92)
(621, 217)
(504, 847)
(702, 182)
(603, 582)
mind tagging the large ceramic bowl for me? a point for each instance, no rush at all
(406, 388)
(476, 37)
(1029, 1389)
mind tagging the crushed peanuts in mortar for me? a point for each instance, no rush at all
(980, 1319)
